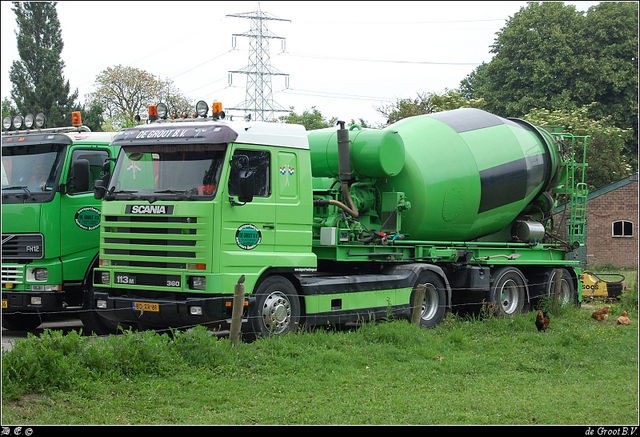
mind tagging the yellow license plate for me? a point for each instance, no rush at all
(145, 306)
(4, 304)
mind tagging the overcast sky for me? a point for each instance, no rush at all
(344, 58)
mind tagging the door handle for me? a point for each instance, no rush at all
(269, 226)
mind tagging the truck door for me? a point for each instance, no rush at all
(248, 230)
(80, 216)
(293, 219)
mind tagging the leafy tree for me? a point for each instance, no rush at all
(611, 35)
(310, 119)
(427, 103)
(8, 108)
(125, 92)
(92, 117)
(551, 56)
(37, 81)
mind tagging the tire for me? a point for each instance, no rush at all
(434, 305)
(507, 292)
(568, 293)
(93, 322)
(22, 322)
(275, 311)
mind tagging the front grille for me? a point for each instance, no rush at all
(143, 248)
(12, 274)
(22, 246)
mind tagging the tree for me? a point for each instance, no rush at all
(427, 103)
(125, 92)
(310, 119)
(37, 81)
(551, 56)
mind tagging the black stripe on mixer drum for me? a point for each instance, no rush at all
(510, 182)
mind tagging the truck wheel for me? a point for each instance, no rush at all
(568, 293)
(276, 310)
(435, 299)
(93, 322)
(508, 291)
(22, 322)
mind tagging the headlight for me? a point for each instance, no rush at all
(17, 122)
(105, 278)
(29, 119)
(40, 274)
(202, 108)
(7, 122)
(41, 120)
(161, 110)
(198, 283)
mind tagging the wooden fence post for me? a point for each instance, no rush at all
(557, 286)
(236, 311)
(417, 303)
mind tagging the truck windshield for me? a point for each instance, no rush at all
(160, 172)
(31, 170)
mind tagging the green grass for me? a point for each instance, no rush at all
(465, 371)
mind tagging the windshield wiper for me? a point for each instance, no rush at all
(123, 192)
(170, 192)
(16, 187)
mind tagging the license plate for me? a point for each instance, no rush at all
(4, 304)
(146, 306)
(124, 279)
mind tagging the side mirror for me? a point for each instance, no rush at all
(99, 189)
(245, 186)
(81, 175)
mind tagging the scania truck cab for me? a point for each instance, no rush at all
(50, 218)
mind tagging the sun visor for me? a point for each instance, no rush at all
(175, 134)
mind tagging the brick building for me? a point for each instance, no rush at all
(612, 224)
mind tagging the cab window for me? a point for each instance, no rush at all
(256, 161)
(96, 158)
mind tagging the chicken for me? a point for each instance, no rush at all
(601, 315)
(623, 319)
(540, 322)
(545, 319)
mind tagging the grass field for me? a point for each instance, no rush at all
(467, 371)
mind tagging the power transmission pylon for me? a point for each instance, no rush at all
(258, 103)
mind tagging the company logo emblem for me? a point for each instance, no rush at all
(248, 237)
(149, 209)
(88, 218)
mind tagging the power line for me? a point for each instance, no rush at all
(342, 58)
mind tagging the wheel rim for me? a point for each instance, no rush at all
(430, 302)
(276, 312)
(565, 291)
(509, 296)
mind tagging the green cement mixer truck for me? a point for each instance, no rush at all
(335, 225)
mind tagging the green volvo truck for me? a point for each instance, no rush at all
(50, 218)
(335, 225)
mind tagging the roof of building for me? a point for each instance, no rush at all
(604, 190)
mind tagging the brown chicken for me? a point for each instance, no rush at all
(623, 319)
(546, 320)
(601, 315)
(540, 322)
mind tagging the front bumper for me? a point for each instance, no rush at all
(33, 301)
(174, 312)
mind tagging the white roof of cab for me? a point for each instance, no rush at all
(91, 137)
